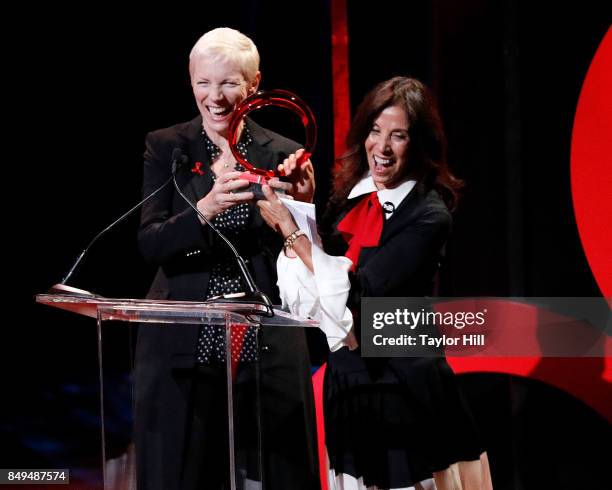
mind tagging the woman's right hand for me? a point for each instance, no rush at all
(275, 213)
(222, 195)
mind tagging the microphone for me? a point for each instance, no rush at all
(255, 295)
(178, 159)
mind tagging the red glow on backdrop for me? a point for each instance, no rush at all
(340, 75)
(585, 378)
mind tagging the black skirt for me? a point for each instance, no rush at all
(395, 421)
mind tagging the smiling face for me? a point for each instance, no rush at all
(386, 147)
(218, 87)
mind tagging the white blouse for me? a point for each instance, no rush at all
(322, 295)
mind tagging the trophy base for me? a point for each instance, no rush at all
(256, 181)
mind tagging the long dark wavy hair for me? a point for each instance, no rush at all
(426, 148)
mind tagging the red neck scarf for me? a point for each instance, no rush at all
(362, 227)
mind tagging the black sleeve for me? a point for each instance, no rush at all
(165, 234)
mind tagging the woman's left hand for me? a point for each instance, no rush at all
(275, 213)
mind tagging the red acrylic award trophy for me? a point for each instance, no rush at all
(264, 98)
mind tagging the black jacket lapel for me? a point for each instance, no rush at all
(196, 186)
(400, 218)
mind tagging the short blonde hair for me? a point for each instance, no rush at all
(228, 44)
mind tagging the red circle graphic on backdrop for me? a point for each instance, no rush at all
(591, 166)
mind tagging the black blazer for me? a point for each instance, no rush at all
(172, 237)
(409, 252)
(414, 394)
(404, 264)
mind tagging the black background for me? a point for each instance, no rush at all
(507, 74)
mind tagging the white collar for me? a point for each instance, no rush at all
(394, 196)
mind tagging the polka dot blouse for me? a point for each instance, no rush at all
(225, 277)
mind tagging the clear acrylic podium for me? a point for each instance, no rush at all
(119, 473)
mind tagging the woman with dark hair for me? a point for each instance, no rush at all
(390, 422)
(427, 148)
